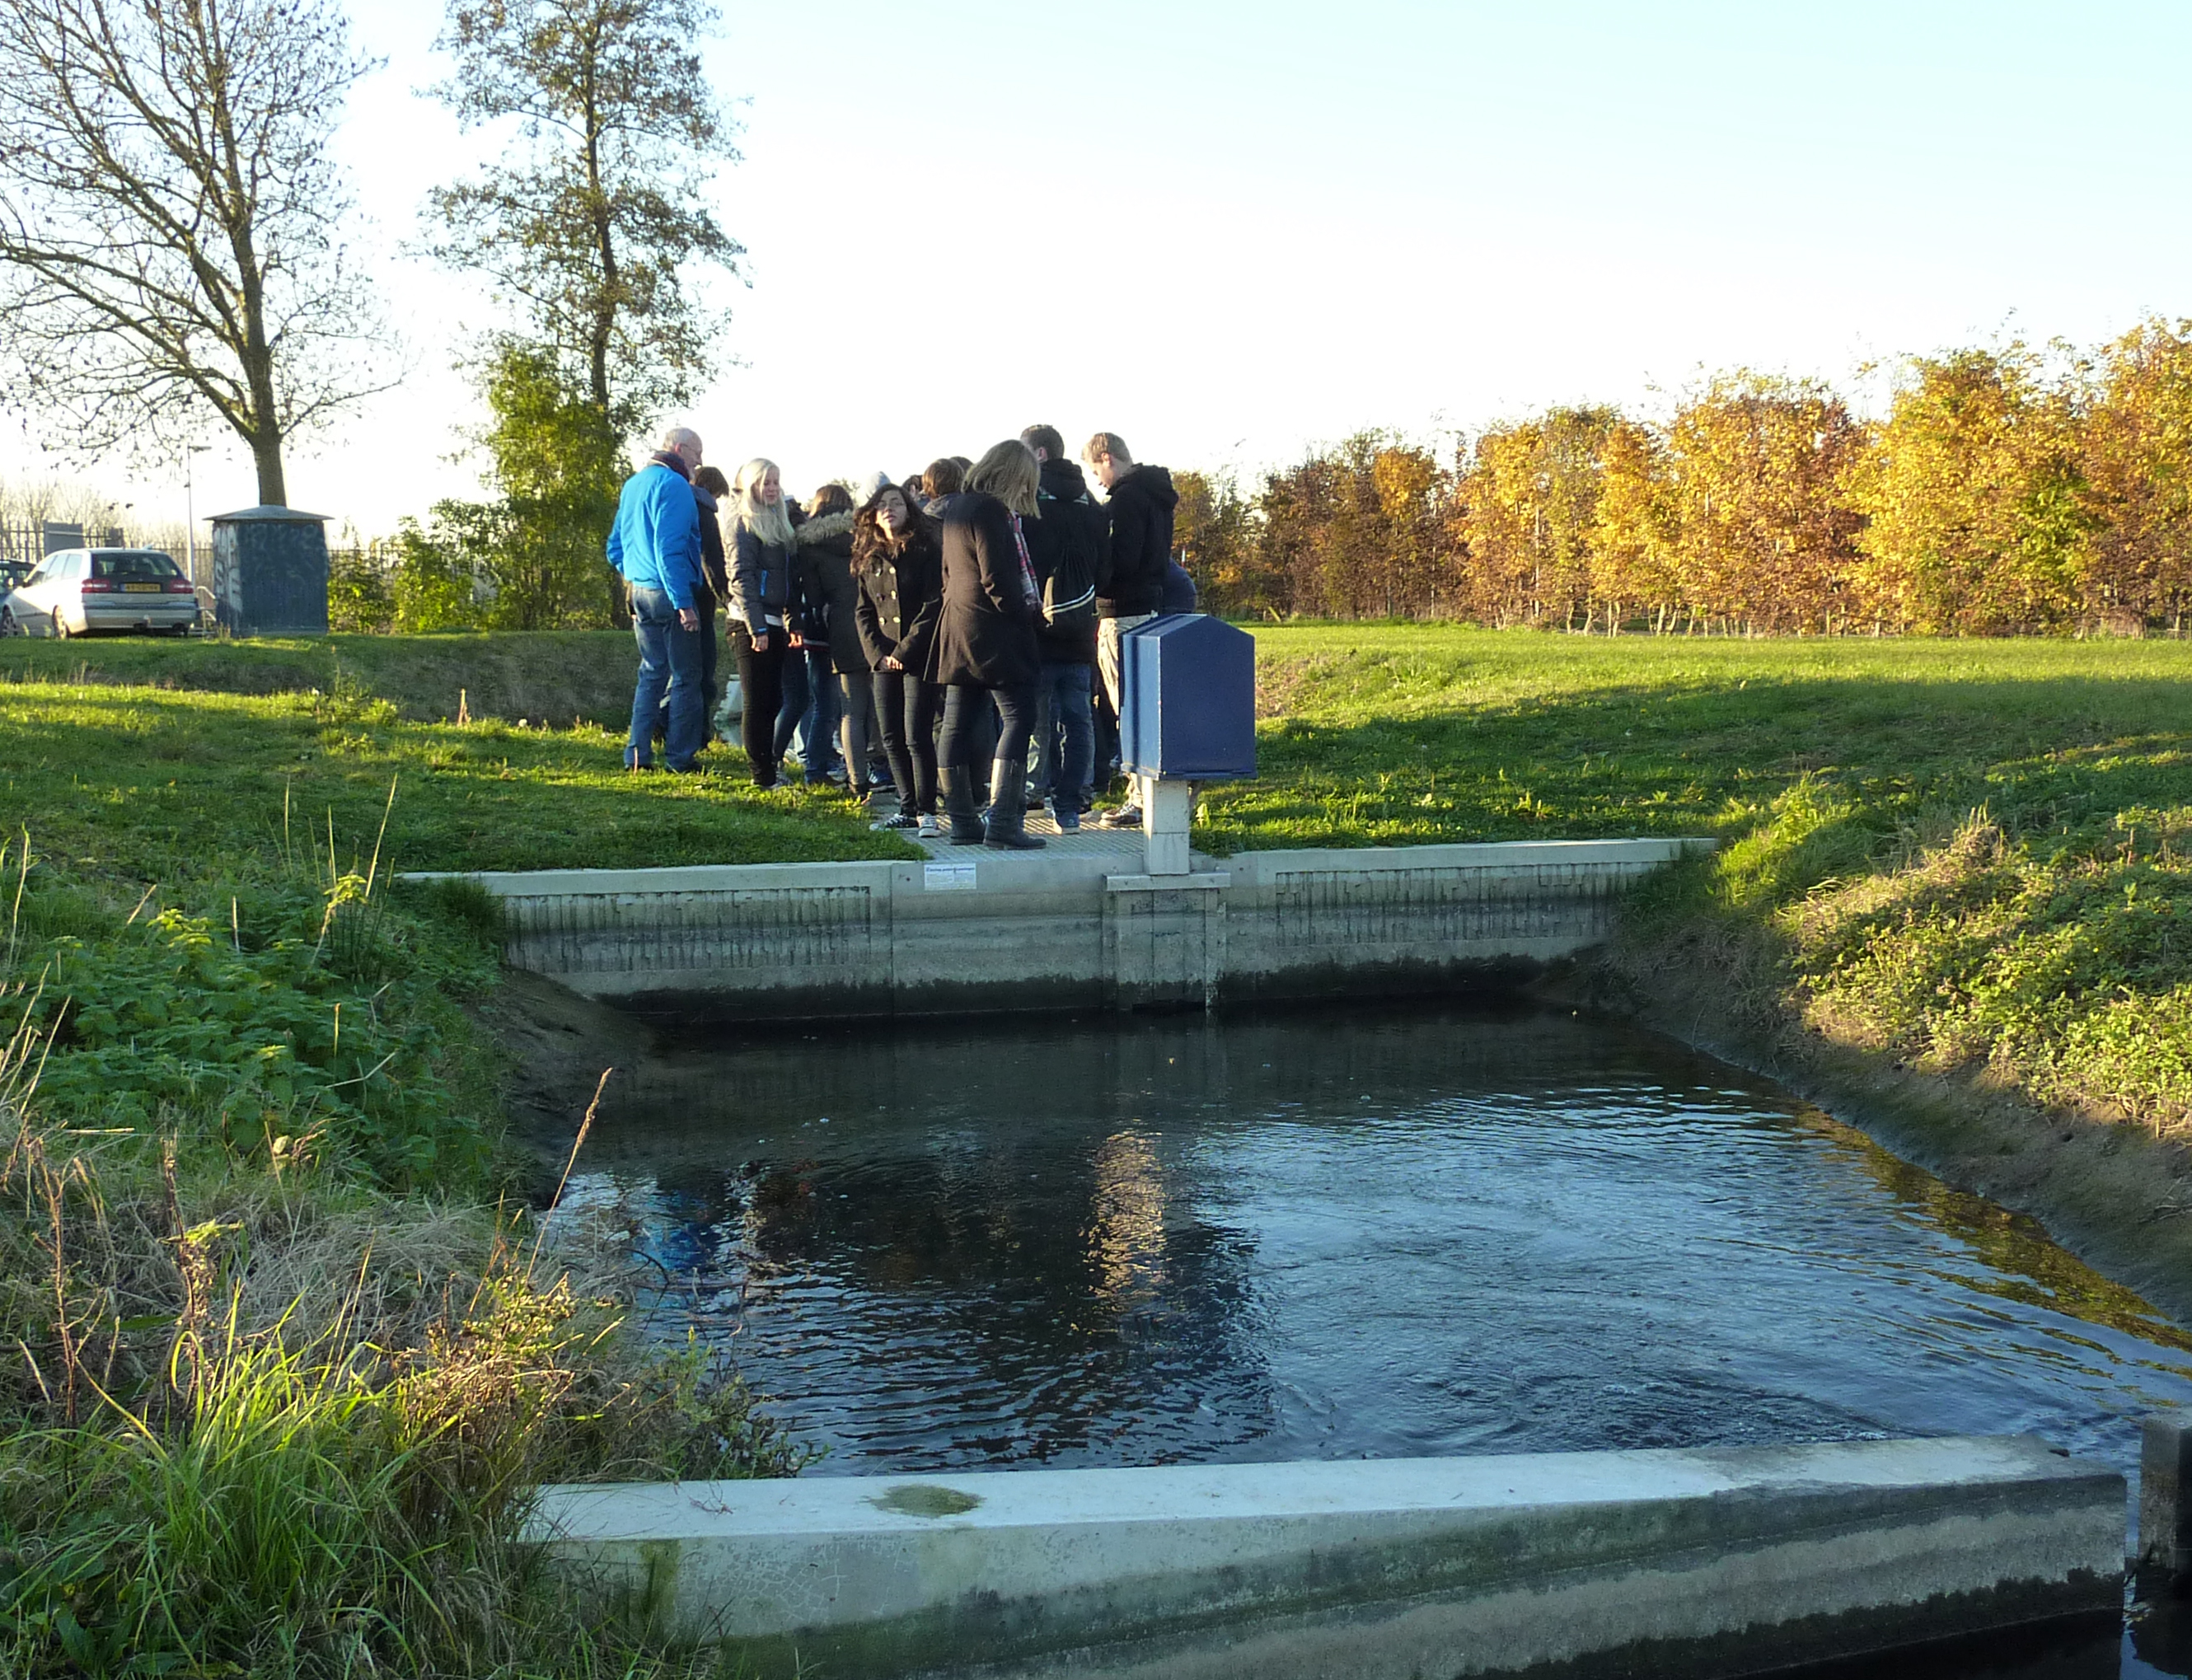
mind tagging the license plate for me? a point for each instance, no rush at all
(142, 588)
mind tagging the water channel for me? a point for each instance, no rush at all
(1381, 1232)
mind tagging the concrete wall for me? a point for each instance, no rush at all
(1706, 1562)
(1007, 931)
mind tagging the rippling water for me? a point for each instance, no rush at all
(1378, 1232)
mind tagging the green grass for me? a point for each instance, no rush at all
(551, 676)
(156, 784)
(207, 920)
(243, 1068)
(1961, 855)
(1400, 735)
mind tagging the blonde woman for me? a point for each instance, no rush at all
(986, 646)
(761, 546)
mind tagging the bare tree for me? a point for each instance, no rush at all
(169, 221)
(588, 224)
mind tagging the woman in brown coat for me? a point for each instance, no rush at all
(986, 648)
(898, 566)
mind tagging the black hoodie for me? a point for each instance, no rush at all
(1069, 531)
(1140, 507)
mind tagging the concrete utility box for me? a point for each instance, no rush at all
(270, 572)
(1188, 700)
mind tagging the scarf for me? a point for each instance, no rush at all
(1027, 567)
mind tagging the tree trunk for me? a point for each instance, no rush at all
(597, 350)
(265, 435)
(273, 484)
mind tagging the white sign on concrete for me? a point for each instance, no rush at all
(947, 877)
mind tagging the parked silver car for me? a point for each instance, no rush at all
(81, 591)
(12, 574)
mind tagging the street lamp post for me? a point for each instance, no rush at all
(190, 508)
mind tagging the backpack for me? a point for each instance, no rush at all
(1069, 593)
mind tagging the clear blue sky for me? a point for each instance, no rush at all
(1227, 230)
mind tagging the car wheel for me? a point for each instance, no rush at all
(8, 625)
(60, 626)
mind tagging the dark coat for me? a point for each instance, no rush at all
(1140, 508)
(901, 595)
(761, 580)
(711, 550)
(823, 597)
(1071, 525)
(1180, 590)
(986, 637)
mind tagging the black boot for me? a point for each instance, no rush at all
(957, 790)
(1008, 811)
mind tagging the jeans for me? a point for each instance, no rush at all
(906, 717)
(669, 661)
(982, 744)
(817, 723)
(704, 603)
(710, 690)
(808, 714)
(856, 702)
(761, 687)
(791, 709)
(1107, 740)
(1065, 735)
(966, 710)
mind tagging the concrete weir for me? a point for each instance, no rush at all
(986, 930)
(1704, 1561)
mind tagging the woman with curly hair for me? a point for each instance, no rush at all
(898, 564)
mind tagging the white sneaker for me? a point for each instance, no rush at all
(1126, 816)
(929, 828)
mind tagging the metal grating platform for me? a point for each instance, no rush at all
(1124, 844)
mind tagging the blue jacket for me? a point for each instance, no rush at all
(656, 539)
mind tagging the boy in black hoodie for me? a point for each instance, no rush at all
(1065, 546)
(1140, 500)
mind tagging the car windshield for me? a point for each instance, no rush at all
(139, 567)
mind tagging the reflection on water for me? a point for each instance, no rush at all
(1382, 1233)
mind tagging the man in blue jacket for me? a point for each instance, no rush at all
(655, 543)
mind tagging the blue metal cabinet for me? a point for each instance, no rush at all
(1188, 694)
(270, 572)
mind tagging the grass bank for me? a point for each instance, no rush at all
(1954, 898)
(283, 1356)
(554, 676)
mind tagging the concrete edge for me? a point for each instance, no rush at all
(1381, 1570)
(1050, 872)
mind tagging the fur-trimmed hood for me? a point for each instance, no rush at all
(824, 527)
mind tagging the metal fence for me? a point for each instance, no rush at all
(29, 541)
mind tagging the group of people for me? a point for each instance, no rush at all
(953, 636)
